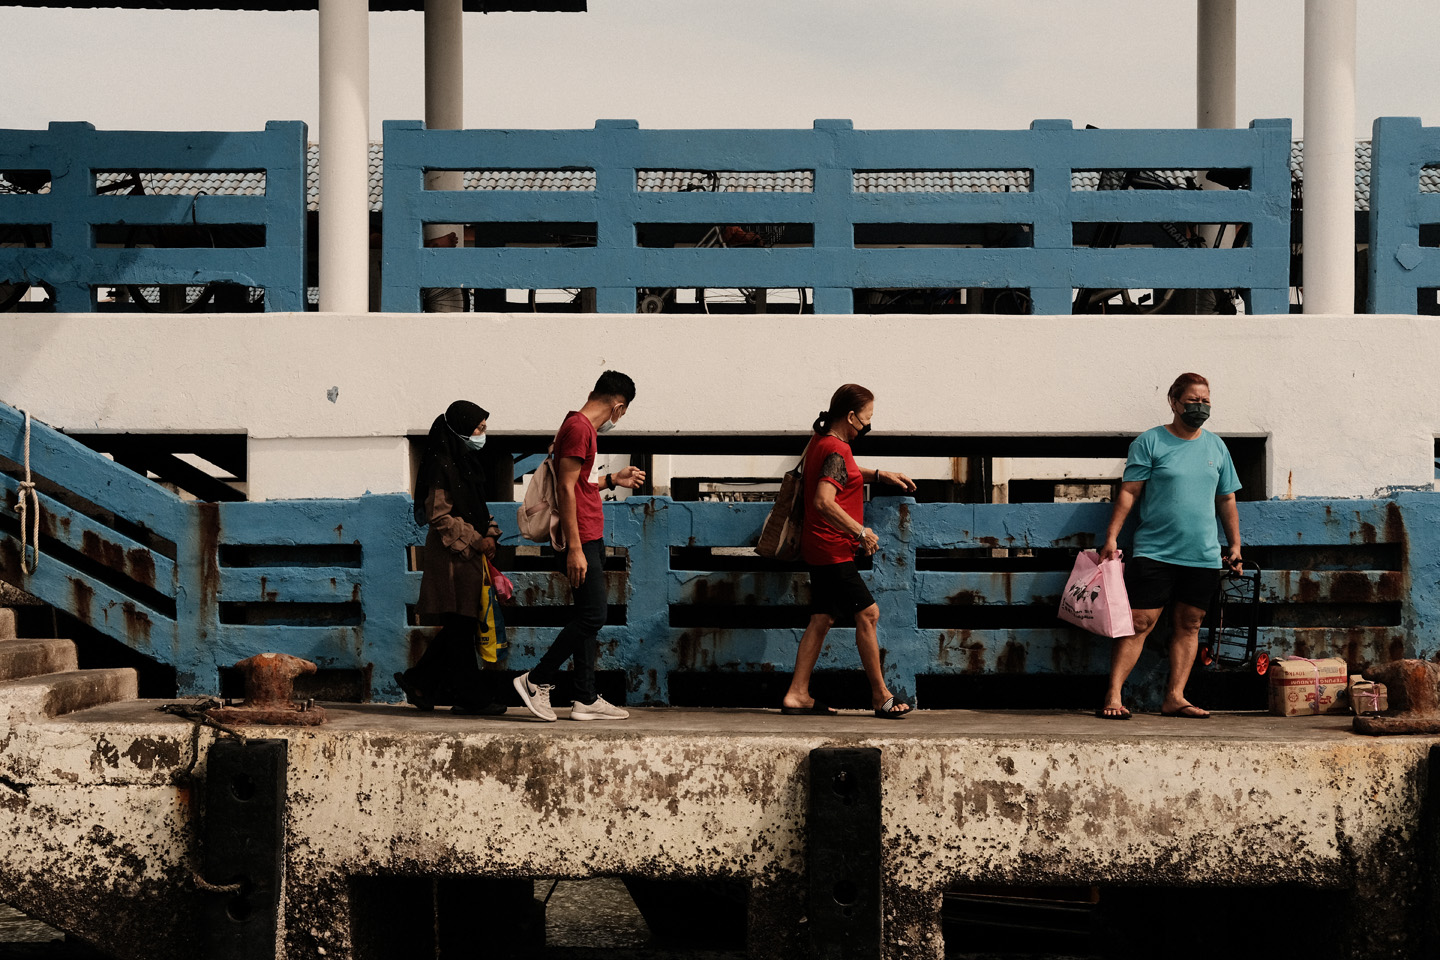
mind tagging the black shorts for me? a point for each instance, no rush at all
(1153, 583)
(837, 591)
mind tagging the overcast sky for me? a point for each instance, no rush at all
(713, 63)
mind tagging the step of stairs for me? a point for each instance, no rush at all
(56, 694)
(32, 658)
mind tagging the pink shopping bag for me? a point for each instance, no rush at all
(1095, 598)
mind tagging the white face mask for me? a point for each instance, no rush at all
(605, 427)
(477, 442)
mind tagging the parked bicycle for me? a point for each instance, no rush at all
(1181, 235)
(728, 299)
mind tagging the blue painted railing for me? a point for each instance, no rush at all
(1050, 269)
(72, 264)
(1399, 266)
(200, 586)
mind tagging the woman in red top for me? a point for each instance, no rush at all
(833, 534)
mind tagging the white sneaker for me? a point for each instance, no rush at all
(601, 709)
(536, 696)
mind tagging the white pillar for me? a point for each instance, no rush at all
(344, 276)
(444, 110)
(1215, 64)
(444, 65)
(1329, 159)
(1214, 80)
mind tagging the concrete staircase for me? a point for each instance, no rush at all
(41, 679)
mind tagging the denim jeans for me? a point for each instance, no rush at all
(578, 638)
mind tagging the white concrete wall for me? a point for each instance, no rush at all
(1350, 404)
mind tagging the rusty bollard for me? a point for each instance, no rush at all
(1413, 688)
(269, 692)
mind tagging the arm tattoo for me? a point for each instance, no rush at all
(834, 468)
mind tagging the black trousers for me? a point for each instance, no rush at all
(578, 639)
(448, 672)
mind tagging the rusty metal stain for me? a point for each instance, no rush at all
(140, 564)
(208, 531)
(103, 552)
(82, 595)
(1351, 586)
(137, 626)
(1012, 658)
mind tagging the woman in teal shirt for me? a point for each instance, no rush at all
(1183, 477)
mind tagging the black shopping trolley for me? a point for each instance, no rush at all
(1234, 636)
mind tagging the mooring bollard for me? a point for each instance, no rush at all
(242, 848)
(269, 689)
(843, 853)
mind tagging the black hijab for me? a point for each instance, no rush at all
(452, 465)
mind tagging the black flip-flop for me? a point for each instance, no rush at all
(1124, 714)
(887, 711)
(1182, 715)
(816, 709)
(412, 693)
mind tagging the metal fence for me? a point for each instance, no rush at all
(75, 220)
(829, 182)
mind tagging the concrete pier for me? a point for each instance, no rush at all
(98, 819)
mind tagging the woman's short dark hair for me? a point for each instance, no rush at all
(1185, 380)
(613, 383)
(850, 398)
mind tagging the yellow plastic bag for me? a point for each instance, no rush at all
(490, 641)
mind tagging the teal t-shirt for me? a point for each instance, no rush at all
(1177, 507)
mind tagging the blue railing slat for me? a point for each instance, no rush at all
(833, 152)
(98, 605)
(73, 465)
(289, 584)
(79, 532)
(74, 152)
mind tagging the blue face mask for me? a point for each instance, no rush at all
(477, 443)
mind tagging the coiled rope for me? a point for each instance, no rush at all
(27, 487)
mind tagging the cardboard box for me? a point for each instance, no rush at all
(1367, 696)
(1304, 688)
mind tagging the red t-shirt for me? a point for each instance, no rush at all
(577, 438)
(829, 461)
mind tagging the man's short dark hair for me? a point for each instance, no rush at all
(613, 383)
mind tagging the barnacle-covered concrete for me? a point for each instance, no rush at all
(97, 821)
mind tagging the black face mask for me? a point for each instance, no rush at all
(1195, 414)
(863, 430)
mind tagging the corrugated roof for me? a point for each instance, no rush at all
(725, 181)
(212, 183)
(942, 181)
(788, 181)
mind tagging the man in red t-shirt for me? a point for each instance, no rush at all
(833, 533)
(583, 524)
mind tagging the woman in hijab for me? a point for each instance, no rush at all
(450, 500)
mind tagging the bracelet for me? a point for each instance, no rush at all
(609, 481)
